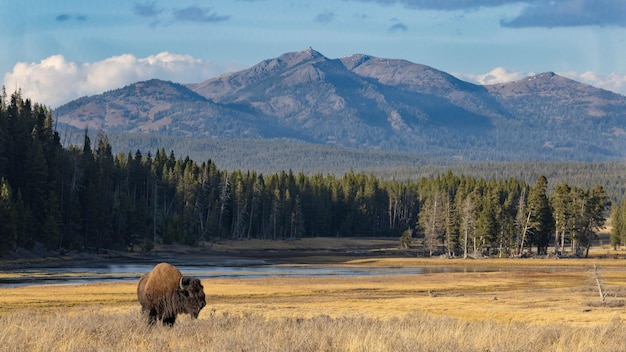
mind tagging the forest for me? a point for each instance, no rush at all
(83, 197)
(269, 156)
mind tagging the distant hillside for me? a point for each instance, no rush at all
(270, 156)
(370, 103)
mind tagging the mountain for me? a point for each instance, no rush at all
(157, 107)
(371, 103)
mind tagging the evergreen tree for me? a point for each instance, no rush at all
(486, 226)
(81, 197)
(616, 219)
(541, 220)
(618, 222)
(595, 215)
(8, 225)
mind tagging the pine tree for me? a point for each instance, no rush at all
(8, 226)
(486, 227)
(618, 220)
(541, 221)
(596, 206)
(621, 223)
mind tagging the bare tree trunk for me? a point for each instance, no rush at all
(519, 218)
(588, 246)
(556, 241)
(433, 227)
(468, 222)
(521, 246)
(595, 271)
(465, 244)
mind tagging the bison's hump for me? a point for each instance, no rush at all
(162, 281)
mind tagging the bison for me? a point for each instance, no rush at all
(164, 293)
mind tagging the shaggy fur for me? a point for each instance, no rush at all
(164, 293)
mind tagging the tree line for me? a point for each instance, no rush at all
(269, 156)
(82, 197)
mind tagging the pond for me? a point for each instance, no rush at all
(131, 272)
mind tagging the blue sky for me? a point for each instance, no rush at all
(57, 51)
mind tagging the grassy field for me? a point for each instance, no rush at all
(527, 304)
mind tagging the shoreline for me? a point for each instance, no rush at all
(307, 251)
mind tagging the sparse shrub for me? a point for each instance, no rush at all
(406, 238)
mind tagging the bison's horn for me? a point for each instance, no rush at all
(182, 287)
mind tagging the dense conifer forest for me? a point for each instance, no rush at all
(269, 156)
(83, 197)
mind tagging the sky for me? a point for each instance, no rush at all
(58, 51)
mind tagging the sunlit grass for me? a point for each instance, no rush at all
(541, 294)
(52, 296)
(512, 311)
(92, 329)
(531, 304)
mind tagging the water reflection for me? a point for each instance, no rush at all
(124, 272)
(90, 273)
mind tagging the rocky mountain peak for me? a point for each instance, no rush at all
(289, 60)
(367, 102)
(353, 61)
(550, 84)
(298, 57)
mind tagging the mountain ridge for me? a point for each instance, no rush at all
(372, 103)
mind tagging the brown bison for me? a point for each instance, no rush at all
(165, 292)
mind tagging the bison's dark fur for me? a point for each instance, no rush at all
(165, 292)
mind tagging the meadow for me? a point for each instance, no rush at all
(523, 305)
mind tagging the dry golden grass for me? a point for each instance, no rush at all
(549, 305)
(94, 330)
(53, 296)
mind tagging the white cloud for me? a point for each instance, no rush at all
(495, 76)
(54, 81)
(614, 82)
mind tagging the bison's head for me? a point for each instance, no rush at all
(193, 296)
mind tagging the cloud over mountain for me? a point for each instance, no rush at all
(613, 82)
(55, 80)
(495, 76)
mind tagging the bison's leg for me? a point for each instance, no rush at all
(169, 320)
(152, 316)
